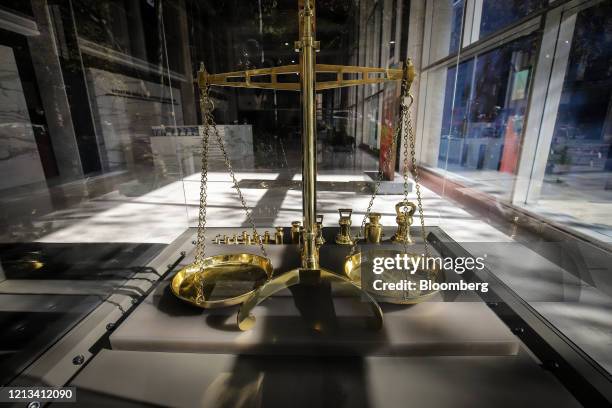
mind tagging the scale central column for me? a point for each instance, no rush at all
(307, 46)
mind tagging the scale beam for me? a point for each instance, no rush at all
(286, 77)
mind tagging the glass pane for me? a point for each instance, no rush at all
(455, 113)
(500, 138)
(446, 28)
(500, 14)
(577, 186)
(481, 123)
(92, 184)
(571, 185)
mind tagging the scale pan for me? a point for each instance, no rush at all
(359, 269)
(224, 280)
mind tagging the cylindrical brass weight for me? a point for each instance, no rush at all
(278, 236)
(319, 240)
(373, 229)
(296, 232)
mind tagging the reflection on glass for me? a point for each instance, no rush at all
(371, 132)
(455, 112)
(89, 172)
(373, 36)
(482, 119)
(499, 14)
(579, 165)
(446, 28)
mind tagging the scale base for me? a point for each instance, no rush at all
(311, 278)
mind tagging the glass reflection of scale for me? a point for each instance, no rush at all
(195, 282)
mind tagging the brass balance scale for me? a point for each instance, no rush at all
(196, 282)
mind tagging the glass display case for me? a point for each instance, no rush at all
(219, 203)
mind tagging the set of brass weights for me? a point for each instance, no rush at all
(373, 230)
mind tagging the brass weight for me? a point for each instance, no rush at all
(404, 211)
(319, 240)
(296, 232)
(344, 236)
(278, 236)
(373, 229)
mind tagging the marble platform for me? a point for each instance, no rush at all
(163, 323)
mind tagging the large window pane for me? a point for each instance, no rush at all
(483, 115)
(577, 187)
(454, 117)
(536, 135)
(499, 14)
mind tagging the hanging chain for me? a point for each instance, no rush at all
(206, 107)
(209, 126)
(377, 183)
(405, 130)
(379, 177)
(405, 108)
(228, 165)
(409, 138)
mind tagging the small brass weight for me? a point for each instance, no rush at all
(278, 236)
(404, 211)
(296, 232)
(373, 230)
(344, 236)
(319, 240)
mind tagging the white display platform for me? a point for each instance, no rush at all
(164, 323)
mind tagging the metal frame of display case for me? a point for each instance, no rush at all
(578, 372)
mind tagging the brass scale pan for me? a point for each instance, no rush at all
(223, 280)
(227, 280)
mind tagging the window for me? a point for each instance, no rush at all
(522, 117)
(576, 138)
(484, 112)
(445, 28)
(481, 124)
(500, 14)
